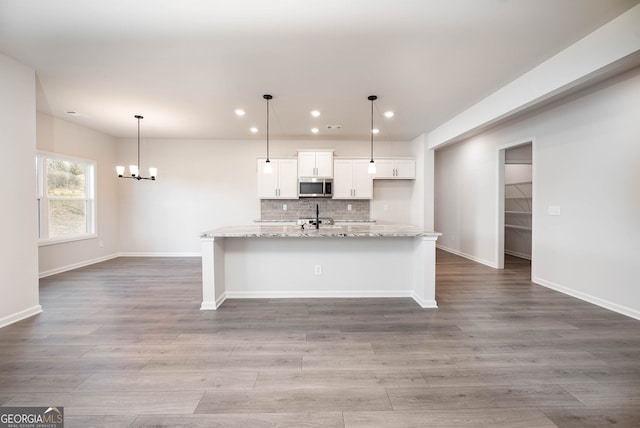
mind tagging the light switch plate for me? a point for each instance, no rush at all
(554, 210)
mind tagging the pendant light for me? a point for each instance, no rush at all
(372, 164)
(134, 170)
(267, 165)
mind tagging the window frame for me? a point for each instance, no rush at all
(42, 198)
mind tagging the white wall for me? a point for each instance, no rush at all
(18, 246)
(422, 209)
(593, 57)
(586, 160)
(206, 184)
(62, 137)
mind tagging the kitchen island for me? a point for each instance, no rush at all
(286, 261)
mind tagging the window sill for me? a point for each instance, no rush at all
(55, 241)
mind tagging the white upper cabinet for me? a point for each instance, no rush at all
(398, 168)
(282, 183)
(315, 163)
(352, 180)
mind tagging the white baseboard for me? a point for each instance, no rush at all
(76, 265)
(588, 298)
(212, 306)
(151, 254)
(315, 294)
(424, 304)
(467, 256)
(19, 316)
(109, 257)
(517, 254)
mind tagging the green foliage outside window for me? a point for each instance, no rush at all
(66, 207)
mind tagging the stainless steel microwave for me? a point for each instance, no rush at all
(315, 187)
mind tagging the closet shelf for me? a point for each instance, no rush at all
(513, 226)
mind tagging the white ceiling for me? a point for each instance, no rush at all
(186, 65)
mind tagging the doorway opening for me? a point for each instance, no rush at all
(515, 226)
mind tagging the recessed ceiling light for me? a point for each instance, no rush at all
(315, 130)
(375, 130)
(388, 114)
(315, 113)
(239, 112)
(253, 129)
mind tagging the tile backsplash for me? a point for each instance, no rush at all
(337, 209)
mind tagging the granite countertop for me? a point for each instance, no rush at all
(286, 222)
(345, 231)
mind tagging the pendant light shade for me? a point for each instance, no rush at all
(268, 169)
(134, 170)
(372, 164)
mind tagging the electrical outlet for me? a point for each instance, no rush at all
(349, 207)
(101, 243)
(385, 207)
(284, 207)
(317, 269)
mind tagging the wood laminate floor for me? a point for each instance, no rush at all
(124, 344)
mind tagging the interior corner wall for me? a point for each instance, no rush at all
(19, 297)
(58, 136)
(422, 197)
(586, 161)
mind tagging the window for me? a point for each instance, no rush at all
(66, 198)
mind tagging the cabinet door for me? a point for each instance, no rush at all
(324, 164)
(267, 183)
(342, 179)
(306, 164)
(405, 168)
(288, 178)
(384, 168)
(362, 180)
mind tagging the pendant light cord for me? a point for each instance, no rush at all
(138, 117)
(267, 97)
(372, 98)
(371, 130)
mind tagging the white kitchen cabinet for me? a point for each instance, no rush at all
(351, 179)
(397, 168)
(315, 164)
(282, 183)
